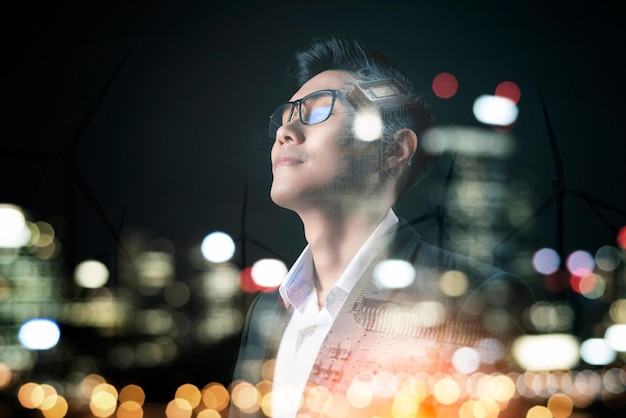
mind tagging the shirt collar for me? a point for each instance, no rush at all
(298, 283)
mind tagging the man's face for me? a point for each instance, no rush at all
(314, 165)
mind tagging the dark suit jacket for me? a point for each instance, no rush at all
(415, 330)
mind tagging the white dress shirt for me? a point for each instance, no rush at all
(309, 325)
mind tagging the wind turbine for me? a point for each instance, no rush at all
(73, 176)
(559, 191)
(439, 213)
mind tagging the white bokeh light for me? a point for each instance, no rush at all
(39, 334)
(394, 274)
(495, 110)
(615, 337)
(547, 352)
(91, 274)
(466, 360)
(218, 247)
(268, 272)
(14, 233)
(368, 126)
(596, 351)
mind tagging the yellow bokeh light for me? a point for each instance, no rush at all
(190, 393)
(453, 283)
(103, 403)
(318, 399)
(129, 409)
(215, 396)
(209, 413)
(178, 408)
(538, 412)
(30, 395)
(560, 405)
(266, 404)
(88, 384)
(54, 406)
(105, 388)
(246, 397)
(404, 406)
(45, 234)
(486, 408)
(446, 391)
(6, 376)
(501, 388)
(267, 370)
(359, 394)
(132, 393)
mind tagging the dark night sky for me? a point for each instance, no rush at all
(182, 129)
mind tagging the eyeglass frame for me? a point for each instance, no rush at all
(298, 102)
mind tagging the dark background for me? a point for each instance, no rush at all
(181, 132)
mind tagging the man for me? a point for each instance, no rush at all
(370, 320)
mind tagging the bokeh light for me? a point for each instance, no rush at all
(621, 238)
(445, 85)
(580, 260)
(466, 360)
(546, 261)
(218, 247)
(394, 274)
(617, 311)
(546, 352)
(268, 273)
(446, 390)
(39, 334)
(453, 283)
(510, 90)
(495, 110)
(189, 392)
(91, 274)
(14, 233)
(368, 126)
(178, 408)
(560, 405)
(615, 337)
(608, 258)
(597, 352)
(215, 396)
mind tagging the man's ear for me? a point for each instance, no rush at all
(403, 149)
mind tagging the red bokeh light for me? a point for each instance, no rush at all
(576, 280)
(246, 282)
(248, 285)
(510, 90)
(621, 238)
(445, 85)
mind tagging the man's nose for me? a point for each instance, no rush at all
(291, 132)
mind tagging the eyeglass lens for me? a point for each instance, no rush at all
(312, 109)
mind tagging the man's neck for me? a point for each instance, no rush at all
(334, 239)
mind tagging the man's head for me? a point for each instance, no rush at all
(340, 83)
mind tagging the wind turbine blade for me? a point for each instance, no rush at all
(448, 181)
(266, 248)
(93, 201)
(556, 155)
(596, 202)
(86, 120)
(544, 206)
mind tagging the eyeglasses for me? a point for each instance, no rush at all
(313, 108)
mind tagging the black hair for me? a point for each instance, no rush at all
(345, 53)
